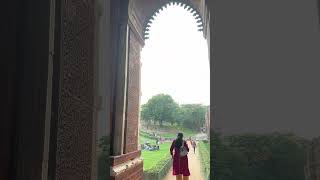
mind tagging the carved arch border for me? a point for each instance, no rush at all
(182, 3)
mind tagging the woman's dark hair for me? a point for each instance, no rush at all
(179, 140)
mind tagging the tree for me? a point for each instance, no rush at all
(159, 108)
(146, 114)
(180, 115)
(192, 116)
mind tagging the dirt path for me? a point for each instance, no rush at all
(194, 166)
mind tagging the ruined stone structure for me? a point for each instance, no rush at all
(312, 167)
(125, 155)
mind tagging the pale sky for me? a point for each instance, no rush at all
(175, 59)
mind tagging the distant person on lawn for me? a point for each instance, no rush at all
(180, 164)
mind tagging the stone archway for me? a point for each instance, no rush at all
(135, 17)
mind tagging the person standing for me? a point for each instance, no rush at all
(180, 163)
(194, 145)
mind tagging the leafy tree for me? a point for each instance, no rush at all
(179, 115)
(159, 108)
(146, 114)
(192, 116)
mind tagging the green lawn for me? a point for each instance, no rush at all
(204, 151)
(155, 160)
(172, 131)
(169, 135)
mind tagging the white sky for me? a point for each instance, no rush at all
(175, 59)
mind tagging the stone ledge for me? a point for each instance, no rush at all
(117, 160)
(127, 169)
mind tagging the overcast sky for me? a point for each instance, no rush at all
(175, 59)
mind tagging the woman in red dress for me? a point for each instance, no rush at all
(180, 164)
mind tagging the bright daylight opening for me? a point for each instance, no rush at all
(175, 87)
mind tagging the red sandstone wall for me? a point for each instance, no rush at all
(75, 95)
(133, 96)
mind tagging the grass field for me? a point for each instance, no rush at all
(168, 131)
(155, 160)
(204, 151)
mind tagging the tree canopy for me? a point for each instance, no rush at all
(159, 108)
(162, 108)
(192, 116)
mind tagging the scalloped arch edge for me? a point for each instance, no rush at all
(180, 3)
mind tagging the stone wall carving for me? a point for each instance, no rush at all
(75, 106)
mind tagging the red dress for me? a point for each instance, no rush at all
(180, 164)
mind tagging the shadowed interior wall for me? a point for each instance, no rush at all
(32, 75)
(8, 78)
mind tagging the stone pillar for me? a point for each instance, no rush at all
(133, 99)
(125, 159)
(121, 88)
(104, 68)
(119, 19)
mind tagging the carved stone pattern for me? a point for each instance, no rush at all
(133, 95)
(75, 116)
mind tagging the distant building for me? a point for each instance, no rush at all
(312, 167)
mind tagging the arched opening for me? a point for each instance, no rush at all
(175, 87)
